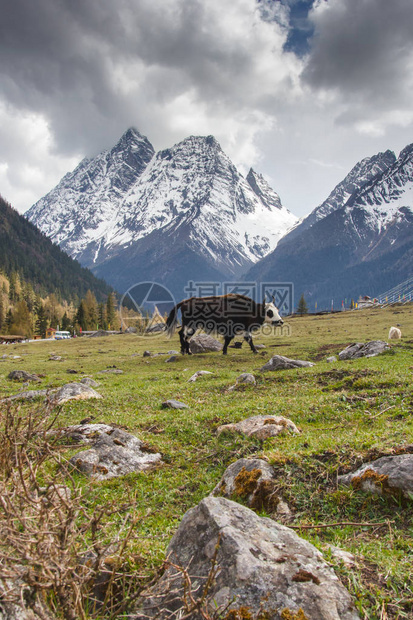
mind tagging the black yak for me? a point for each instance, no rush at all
(227, 315)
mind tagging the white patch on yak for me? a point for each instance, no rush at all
(271, 314)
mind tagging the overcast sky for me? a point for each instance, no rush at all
(298, 89)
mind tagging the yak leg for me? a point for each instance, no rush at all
(183, 341)
(184, 335)
(227, 340)
(248, 338)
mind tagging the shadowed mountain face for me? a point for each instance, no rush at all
(181, 214)
(359, 241)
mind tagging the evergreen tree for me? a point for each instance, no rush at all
(15, 287)
(111, 311)
(8, 321)
(2, 312)
(41, 322)
(51, 310)
(22, 320)
(102, 316)
(66, 323)
(29, 295)
(80, 317)
(91, 310)
(302, 307)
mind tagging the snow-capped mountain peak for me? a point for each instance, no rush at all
(358, 242)
(190, 194)
(262, 189)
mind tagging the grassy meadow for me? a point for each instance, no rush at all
(349, 412)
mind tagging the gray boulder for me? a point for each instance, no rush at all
(331, 359)
(279, 362)
(253, 481)
(261, 427)
(70, 391)
(253, 563)
(360, 349)
(85, 433)
(199, 373)
(204, 343)
(115, 453)
(246, 377)
(19, 601)
(341, 555)
(157, 327)
(98, 334)
(74, 391)
(112, 371)
(389, 475)
(173, 358)
(89, 382)
(22, 375)
(26, 395)
(173, 404)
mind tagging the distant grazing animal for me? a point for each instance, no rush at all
(227, 315)
(395, 333)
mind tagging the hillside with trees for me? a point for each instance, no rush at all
(41, 286)
(42, 264)
(24, 312)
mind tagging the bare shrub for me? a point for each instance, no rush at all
(56, 552)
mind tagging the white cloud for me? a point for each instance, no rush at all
(75, 75)
(28, 161)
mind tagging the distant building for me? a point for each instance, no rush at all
(11, 339)
(50, 332)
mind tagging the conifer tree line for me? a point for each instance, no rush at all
(27, 251)
(24, 312)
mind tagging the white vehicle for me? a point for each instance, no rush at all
(62, 335)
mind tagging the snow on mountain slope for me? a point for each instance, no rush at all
(363, 246)
(367, 170)
(387, 197)
(192, 190)
(194, 183)
(83, 207)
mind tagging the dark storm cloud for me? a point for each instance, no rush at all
(75, 74)
(94, 67)
(52, 57)
(363, 49)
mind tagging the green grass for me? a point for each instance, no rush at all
(348, 412)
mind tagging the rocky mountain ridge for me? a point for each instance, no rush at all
(365, 171)
(131, 208)
(359, 241)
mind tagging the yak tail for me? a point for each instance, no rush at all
(172, 320)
